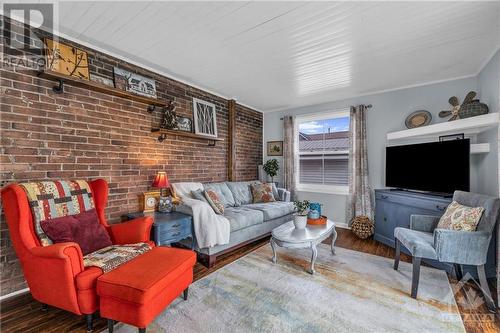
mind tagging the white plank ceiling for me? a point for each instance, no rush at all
(276, 55)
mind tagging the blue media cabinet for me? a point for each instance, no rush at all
(393, 208)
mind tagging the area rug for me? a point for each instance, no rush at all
(350, 292)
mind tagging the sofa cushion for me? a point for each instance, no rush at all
(183, 189)
(273, 210)
(419, 243)
(241, 192)
(141, 279)
(199, 195)
(223, 191)
(243, 217)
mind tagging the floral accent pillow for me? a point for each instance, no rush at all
(460, 218)
(262, 193)
(214, 201)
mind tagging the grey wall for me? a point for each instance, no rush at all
(388, 114)
(489, 92)
(489, 85)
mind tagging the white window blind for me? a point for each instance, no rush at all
(324, 169)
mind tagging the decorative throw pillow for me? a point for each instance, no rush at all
(83, 229)
(262, 193)
(214, 201)
(199, 195)
(461, 218)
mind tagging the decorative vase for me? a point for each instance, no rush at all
(315, 206)
(313, 214)
(300, 221)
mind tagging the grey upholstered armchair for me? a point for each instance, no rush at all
(423, 240)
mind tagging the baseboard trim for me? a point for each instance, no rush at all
(342, 225)
(15, 293)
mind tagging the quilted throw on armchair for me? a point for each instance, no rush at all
(52, 199)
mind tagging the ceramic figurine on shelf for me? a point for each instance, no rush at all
(165, 204)
(169, 120)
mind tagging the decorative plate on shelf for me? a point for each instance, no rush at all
(184, 124)
(418, 118)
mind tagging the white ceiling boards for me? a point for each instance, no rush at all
(275, 55)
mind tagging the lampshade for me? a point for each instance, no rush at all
(161, 180)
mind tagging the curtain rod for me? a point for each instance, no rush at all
(369, 106)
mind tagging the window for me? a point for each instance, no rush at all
(322, 152)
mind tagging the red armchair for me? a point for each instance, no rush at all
(55, 274)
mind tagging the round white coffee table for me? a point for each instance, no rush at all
(287, 236)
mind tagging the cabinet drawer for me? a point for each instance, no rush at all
(172, 229)
(434, 204)
(175, 237)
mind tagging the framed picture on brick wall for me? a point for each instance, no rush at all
(204, 116)
(135, 83)
(66, 59)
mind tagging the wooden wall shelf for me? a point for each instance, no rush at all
(469, 126)
(164, 132)
(99, 87)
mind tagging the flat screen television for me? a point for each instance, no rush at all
(440, 167)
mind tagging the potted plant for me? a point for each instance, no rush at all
(300, 217)
(271, 167)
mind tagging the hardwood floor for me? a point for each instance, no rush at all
(23, 314)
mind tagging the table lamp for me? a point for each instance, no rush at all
(161, 182)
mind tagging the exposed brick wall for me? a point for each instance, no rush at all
(248, 142)
(85, 134)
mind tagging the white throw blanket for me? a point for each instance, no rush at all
(210, 229)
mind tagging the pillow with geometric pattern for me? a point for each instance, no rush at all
(214, 201)
(460, 218)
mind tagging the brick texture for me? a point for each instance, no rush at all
(82, 134)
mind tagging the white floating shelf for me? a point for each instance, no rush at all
(479, 148)
(469, 126)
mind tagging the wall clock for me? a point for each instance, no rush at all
(150, 201)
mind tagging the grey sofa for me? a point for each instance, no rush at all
(423, 240)
(248, 221)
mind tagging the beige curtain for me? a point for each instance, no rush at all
(360, 198)
(288, 155)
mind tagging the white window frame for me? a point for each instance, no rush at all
(316, 188)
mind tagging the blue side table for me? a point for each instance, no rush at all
(168, 228)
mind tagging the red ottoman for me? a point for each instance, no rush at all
(136, 292)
